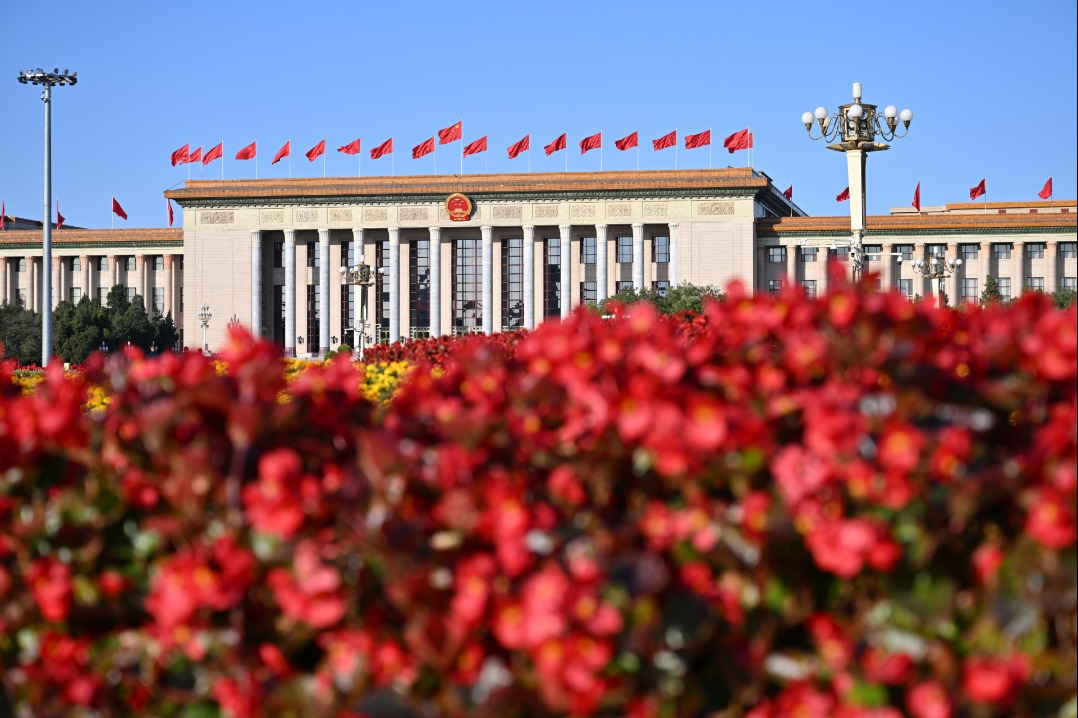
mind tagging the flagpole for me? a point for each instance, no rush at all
(461, 144)
(323, 163)
(290, 159)
(256, 159)
(222, 161)
(188, 162)
(566, 148)
(638, 154)
(114, 211)
(709, 146)
(600, 150)
(435, 153)
(359, 161)
(675, 149)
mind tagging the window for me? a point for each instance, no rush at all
(159, 300)
(348, 299)
(660, 249)
(313, 312)
(809, 286)
(873, 251)
(1001, 251)
(661, 286)
(130, 292)
(177, 262)
(552, 277)
(158, 262)
(774, 285)
(467, 285)
(905, 251)
(20, 266)
(587, 250)
(1035, 283)
(589, 292)
(620, 286)
(624, 247)
(129, 264)
(278, 255)
(1004, 284)
(969, 288)
(75, 295)
(1068, 283)
(808, 254)
(1068, 250)
(22, 298)
(419, 285)
(513, 281)
(968, 251)
(103, 296)
(1035, 250)
(776, 255)
(76, 264)
(312, 255)
(905, 288)
(381, 292)
(278, 314)
(936, 250)
(842, 254)
(102, 264)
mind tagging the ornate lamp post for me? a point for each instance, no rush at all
(204, 316)
(48, 80)
(360, 277)
(853, 130)
(939, 269)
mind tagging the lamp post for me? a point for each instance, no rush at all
(204, 316)
(938, 269)
(359, 276)
(48, 80)
(853, 130)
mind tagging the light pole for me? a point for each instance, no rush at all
(938, 269)
(359, 276)
(204, 316)
(853, 129)
(47, 79)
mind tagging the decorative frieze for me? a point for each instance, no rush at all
(507, 212)
(272, 216)
(340, 215)
(443, 215)
(582, 210)
(619, 210)
(375, 214)
(219, 216)
(545, 211)
(305, 215)
(711, 209)
(412, 214)
(656, 209)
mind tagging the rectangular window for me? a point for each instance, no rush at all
(587, 250)
(842, 254)
(660, 249)
(513, 282)
(968, 251)
(467, 286)
(969, 288)
(873, 252)
(381, 293)
(589, 292)
(130, 265)
(419, 287)
(1035, 283)
(552, 277)
(936, 250)
(103, 296)
(102, 264)
(809, 286)
(905, 251)
(1068, 283)
(1004, 287)
(278, 255)
(22, 297)
(20, 266)
(313, 297)
(347, 300)
(1068, 250)
(774, 285)
(159, 300)
(75, 295)
(130, 292)
(1001, 251)
(661, 287)
(76, 264)
(1035, 250)
(776, 255)
(159, 262)
(905, 288)
(312, 255)
(278, 314)
(621, 286)
(624, 251)
(808, 254)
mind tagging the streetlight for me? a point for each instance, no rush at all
(204, 316)
(853, 129)
(359, 276)
(47, 79)
(938, 269)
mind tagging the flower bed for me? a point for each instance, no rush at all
(851, 506)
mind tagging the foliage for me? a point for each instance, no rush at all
(20, 334)
(85, 328)
(685, 297)
(991, 292)
(849, 506)
(1064, 298)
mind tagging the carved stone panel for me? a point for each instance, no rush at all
(412, 214)
(582, 210)
(656, 209)
(305, 215)
(272, 216)
(340, 215)
(217, 217)
(507, 212)
(545, 211)
(375, 214)
(619, 210)
(715, 208)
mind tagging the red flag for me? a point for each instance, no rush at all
(667, 140)
(699, 140)
(975, 192)
(558, 144)
(214, 154)
(383, 149)
(591, 143)
(195, 156)
(352, 148)
(476, 147)
(917, 197)
(517, 148)
(247, 152)
(1046, 193)
(180, 156)
(740, 140)
(423, 148)
(282, 153)
(316, 151)
(628, 141)
(843, 195)
(169, 212)
(451, 133)
(3, 211)
(59, 217)
(118, 209)
(789, 193)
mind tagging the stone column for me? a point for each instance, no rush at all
(954, 280)
(566, 298)
(1051, 255)
(488, 278)
(140, 276)
(394, 279)
(290, 292)
(985, 255)
(114, 272)
(170, 289)
(529, 276)
(435, 281)
(1018, 280)
(791, 265)
(672, 273)
(323, 290)
(84, 263)
(638, 257)
(358, 290)
(31, 290)
(57, 283)
(602, 260)
(887, 262)
(4, 277)
(256, 282)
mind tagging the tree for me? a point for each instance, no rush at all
(683, 297)
(1064, 298)
(990, 294)
(20, 334)
(165, 335)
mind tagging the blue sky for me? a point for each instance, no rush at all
(993, 86)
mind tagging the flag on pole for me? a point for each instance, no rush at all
(667, 140)
(316, 151)
(789, 193)
(352, 148)
(451, 134)
(558, 144)
(702, 139)
(180, 156)
(214, 154)
(591, 143)
(628, 142)
(517, 147)
(247, 152)
(169, 202)
(843, 195)
(195, 156)
(740, 140)
(917, 197)
(59, 217)
(285, 151)
(476, 147)
(423, 148)
(1046, 192)
(3, 211)
(980, 189)
(385, 148)
(118, 210)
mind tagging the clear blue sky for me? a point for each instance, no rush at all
(993, 86)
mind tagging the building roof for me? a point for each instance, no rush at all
(98, 238)
(1054, 222)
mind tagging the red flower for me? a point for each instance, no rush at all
(310, 593)
(1051, 521)
(843, 546)
(50, 582)
(994, 680)
(881, 666)
(272, 503)
(987, 559)
(929, 699)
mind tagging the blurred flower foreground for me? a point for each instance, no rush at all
(850, 506)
